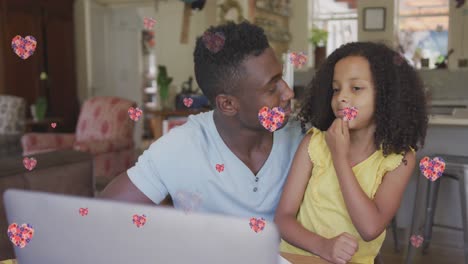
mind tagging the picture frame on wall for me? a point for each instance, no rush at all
(374, 19)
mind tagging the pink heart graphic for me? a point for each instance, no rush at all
(220, 167)
(416, 240)
(29, 163)
(149, 23)
(214, 42)
(188, 201)
(298, 59)
(188, 102)
(257, 224)
(53, 125)
(83, 211)
(20, 236)
(139, 220)
(432, 169)
(135, 113)
(349, 113)
(24, 47)
(271, 119)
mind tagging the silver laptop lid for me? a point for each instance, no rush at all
(72, 230)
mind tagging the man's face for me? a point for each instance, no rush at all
(263, 85)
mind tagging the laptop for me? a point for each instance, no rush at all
(72, 230)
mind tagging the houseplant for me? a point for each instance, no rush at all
(39, 109)
(164, 82)
(319, 39)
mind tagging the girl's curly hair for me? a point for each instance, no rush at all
(400, 102)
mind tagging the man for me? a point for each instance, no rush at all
(223, 161)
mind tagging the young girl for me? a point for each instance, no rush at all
(348, 177)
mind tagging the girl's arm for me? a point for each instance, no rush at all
(293, 192)
(371, 217)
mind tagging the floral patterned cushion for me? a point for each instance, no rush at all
(34, 143)
(102, 146)
(104, 118)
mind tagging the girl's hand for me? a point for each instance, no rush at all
(340, 249)
(337, 138)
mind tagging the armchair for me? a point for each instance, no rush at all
(104, 130)
(12, 120)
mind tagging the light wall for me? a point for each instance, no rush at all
(298, 27)
(176, 56)
(388, 35)
(82, 29)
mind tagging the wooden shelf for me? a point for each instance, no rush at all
(158, 116)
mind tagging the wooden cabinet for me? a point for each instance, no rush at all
(50, 22)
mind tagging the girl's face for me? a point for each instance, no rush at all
(353, 86)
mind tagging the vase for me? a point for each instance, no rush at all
(167, 98)
(41, 108)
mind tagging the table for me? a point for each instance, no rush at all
(293, 258)
(158, 116)
(300, 259)
(44, 123)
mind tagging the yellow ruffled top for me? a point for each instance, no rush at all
(323, 210)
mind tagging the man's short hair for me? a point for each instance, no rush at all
(219, 71)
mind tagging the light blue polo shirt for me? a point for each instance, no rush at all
(194, 165)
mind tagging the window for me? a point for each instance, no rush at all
(338, 17)
(422, 27)
(423, 30)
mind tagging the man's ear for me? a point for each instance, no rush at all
(227, 104)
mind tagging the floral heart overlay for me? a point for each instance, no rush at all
(188, 102)
(214, 42)
(349, 113)
(20, 236)
(29, 163)
(53, 125)
(83, 211)
(139, 220)
(432, 169)
(298, 59)
(257, 224)
(24, 47)
(416, 240)
(271, 119)
(148, 23)
(188, 201)
(135, 113)
(220, 167)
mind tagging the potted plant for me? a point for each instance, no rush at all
(39, 109)
(319, 39)
(164, 82)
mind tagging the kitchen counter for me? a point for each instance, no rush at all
(449, 112)
(443, 120)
